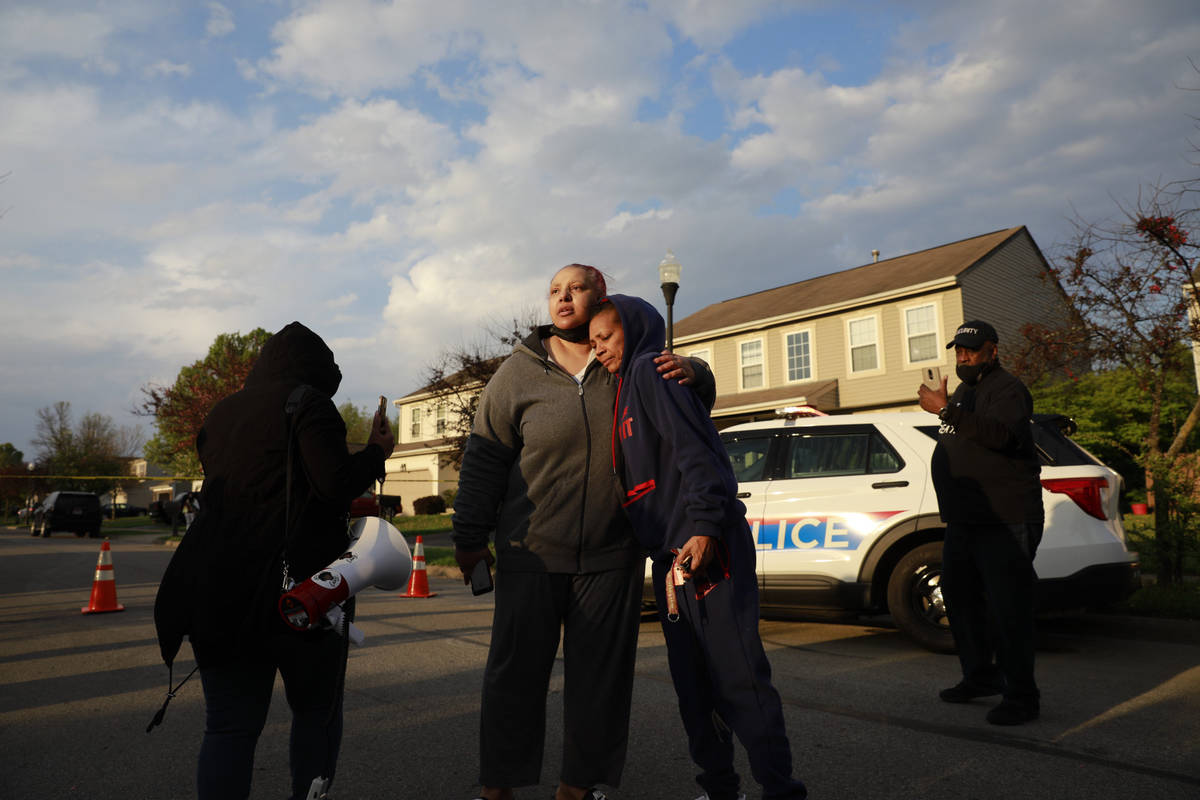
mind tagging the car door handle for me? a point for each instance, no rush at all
(889, 484)
(743, 494)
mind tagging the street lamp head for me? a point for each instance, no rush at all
(668, 270)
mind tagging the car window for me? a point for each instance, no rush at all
(1054, 448)
(823, 455)
(748, 457)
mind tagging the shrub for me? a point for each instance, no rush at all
(448, 495)
(432, 504)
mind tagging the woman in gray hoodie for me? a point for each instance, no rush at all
(537, 477)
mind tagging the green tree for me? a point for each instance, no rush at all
(96, 446)
(179, 410)
(10, 456)
(1110, 411)
(1131, 283)
(358, 422)
(14, 483)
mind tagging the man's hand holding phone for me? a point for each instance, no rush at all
(381, 432)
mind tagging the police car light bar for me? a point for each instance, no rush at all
(791, 412)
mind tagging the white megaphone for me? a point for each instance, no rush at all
(378, 556)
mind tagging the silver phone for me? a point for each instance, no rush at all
(932, 378)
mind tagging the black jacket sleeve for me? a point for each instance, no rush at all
(1000, 419)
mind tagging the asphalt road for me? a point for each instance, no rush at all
(1120, 711)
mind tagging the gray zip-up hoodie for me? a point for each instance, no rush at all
(537, 470)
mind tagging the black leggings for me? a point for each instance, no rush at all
(237, 695)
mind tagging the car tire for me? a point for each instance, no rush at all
(915, 598)
(94, 533)
(45, 529)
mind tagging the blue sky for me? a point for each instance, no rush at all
(398, 175)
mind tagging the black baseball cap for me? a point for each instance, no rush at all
(973, 334)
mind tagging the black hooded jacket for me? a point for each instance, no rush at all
(222, 584)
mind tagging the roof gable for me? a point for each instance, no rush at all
(836, 288)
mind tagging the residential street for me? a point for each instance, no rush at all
(1120, 710)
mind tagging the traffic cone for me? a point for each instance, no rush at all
(104, 587)
(418, 582)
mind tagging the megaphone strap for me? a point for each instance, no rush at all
(162, 711)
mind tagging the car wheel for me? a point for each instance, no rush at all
(915, 598)
(94, 533)
(33, 531)
(45, 529)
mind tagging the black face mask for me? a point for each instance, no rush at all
(971, 373)
(574, 335)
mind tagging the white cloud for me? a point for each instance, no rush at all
(167, 69)
(220, 21)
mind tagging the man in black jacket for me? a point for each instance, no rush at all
(223, 583)
(985, 472)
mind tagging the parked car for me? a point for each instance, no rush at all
(78, 512)
(170, 512)
(845, 519)
(110, 510)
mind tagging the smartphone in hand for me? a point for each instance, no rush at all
(481, 578)
(932, 378)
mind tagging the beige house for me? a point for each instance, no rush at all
(857, 340)
(417, 467)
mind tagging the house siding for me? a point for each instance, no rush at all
(1006, 289)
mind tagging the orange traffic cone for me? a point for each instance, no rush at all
(104, 588)
(418, 582)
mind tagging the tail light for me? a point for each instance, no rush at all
(1084, 491)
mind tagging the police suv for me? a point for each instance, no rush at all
(845, 518)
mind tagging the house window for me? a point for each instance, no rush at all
(440, 419)
(704, 355)
(799, 356)
(921, 328)
(864, 345)
(752, 364)
(415, 429)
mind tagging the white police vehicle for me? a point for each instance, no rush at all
(845, 518)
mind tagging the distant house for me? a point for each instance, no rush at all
(428, 431)
(856, 340)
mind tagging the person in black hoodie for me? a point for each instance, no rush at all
(985, 472)
(681, 496)
(222, 585)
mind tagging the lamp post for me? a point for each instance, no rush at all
(668, 277)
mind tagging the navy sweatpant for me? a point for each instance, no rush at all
(719, 668)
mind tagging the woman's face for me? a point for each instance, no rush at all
(571, 298)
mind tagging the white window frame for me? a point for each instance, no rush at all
(878, 369)
(704, 353)
(762, 349)
(812, 355)
(937, 334)
(439, 419)
(415, 416)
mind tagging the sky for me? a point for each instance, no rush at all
(400, 175)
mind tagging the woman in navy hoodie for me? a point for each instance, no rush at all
(681, 496)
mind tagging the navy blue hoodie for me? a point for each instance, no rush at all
(676, 473)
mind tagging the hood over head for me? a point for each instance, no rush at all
(296, 355)
(643, 326)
